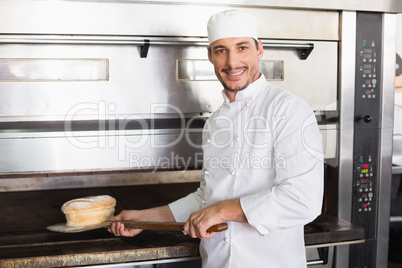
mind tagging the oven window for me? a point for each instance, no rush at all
(54, 70)
(203, 70)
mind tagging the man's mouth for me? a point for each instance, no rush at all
(234, 74)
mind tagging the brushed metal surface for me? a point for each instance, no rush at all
(355, 5)
(346, 106)
(385, 169)
(140, 87)
(137, 89)
(152, 18)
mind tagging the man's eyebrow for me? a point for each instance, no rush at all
(218, 47)
(243, 43)
(237, 44)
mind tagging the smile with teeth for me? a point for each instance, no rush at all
(235, 74)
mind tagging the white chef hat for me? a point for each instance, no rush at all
(232, 23)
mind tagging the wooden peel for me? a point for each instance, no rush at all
(163, 226)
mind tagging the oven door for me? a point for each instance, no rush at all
(80, 107)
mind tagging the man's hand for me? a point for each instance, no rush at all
(157, 214)
(119, 229)
(199, 221)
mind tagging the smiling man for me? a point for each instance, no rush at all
(234, 50)
(262, 167)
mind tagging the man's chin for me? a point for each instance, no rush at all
(234, 88)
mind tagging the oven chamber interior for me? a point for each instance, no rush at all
(114, 101)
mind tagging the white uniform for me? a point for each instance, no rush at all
(266, 149)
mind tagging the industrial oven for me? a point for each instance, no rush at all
(110, 97)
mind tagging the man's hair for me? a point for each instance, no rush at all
(256, 43)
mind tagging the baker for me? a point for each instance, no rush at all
(263, 164)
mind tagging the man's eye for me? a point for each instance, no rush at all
(220, 51)
(243, 48)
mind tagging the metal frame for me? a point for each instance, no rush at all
(143, 263)
(385, 169)
(370, 5)
(346, 107)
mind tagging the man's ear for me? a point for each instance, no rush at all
(260, 49)
(209, 54)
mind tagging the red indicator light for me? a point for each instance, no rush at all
(365, 205)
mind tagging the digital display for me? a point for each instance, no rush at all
(367, 56)
(367, 71)
(367, 66)
(367, 50)
(364, 185)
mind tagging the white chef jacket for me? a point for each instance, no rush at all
(266, 149)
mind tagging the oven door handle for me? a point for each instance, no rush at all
(304, 49)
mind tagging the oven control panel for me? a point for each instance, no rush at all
(364, 184)
(368, 69)
(366, 135)
(364, 197)
(367, 122)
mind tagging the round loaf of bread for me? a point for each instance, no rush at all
(88, 210)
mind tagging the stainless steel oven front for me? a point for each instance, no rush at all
(101, 95)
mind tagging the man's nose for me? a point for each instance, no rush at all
(232, 59)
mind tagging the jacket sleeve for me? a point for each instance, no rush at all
(296, 197)
(182, 208)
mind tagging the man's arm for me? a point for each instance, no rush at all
(157, 214)
(201, 220)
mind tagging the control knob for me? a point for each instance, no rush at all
(367, 119)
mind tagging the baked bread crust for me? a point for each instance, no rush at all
(88, 210)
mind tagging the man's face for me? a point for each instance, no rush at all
(236, 61)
